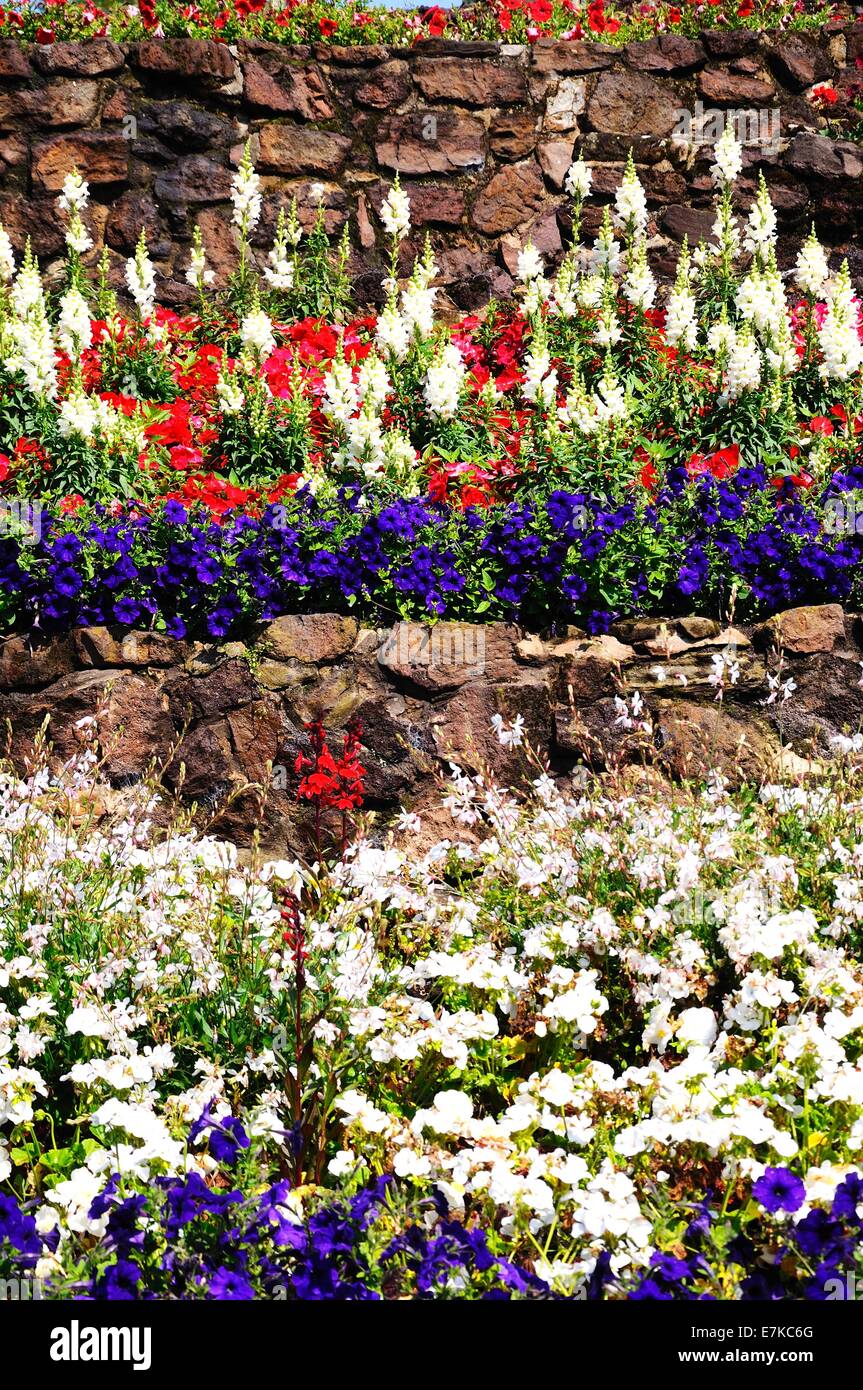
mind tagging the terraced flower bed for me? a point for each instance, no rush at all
(574, 579)
(600, 449)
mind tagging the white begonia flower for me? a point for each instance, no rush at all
(697, 1027)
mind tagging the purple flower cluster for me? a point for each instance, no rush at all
(568, 556)
(183, 1239)
(814, 1257)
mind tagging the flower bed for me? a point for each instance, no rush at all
(605, 448)
(337, 23)
(606, 1049)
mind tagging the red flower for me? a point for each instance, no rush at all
(436, 20)
(819, 424)
(332, 784)
(184, 459)
(720, 465)
(540, 11)
(175, 428)
(327, 27)
(5, 467)
(44, 35)
(71, 504)
(824, 95)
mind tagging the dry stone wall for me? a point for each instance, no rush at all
(482, 135)
(218, 718)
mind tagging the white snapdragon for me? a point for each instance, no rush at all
(78, 417)
(727, 158)
(198, 274)
(639, 285)
(373, 382)
(811, 269)
(839, 336)
(444, 382)
(34, 354)
(579, 180)
(246, 195)
(540, 378)
(681, 320)
(396, 212)
(760, 237)
(341, 399)
(230, 395)
(743, 366)
(75, 193)
(27, 292)
(73, 324)
(279, 271)
(630, 203)
(529, 263)
(7, 257)
(393, 332)
(605, 256)
(141, 279)
(256, 332)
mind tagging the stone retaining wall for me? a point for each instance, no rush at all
(221, 717)
(481, 133)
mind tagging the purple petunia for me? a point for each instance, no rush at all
(778, 1189)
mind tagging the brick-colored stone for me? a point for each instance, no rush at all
(812, 628)
(63, 103)
(13, 60)
(95, 58)
(314, 638)
(190, 58)
(555, 158)
(435, 202)
(572, 55)
(632, 104)
(513, 134)
(814, 155)
(508, 198)
(734, 89)
(669, 53)
(287, 92)
(431, 142)
(471, 83)
(799, 61)
(101, 156)
(388, 86)
(296, 149)
(196, 179)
